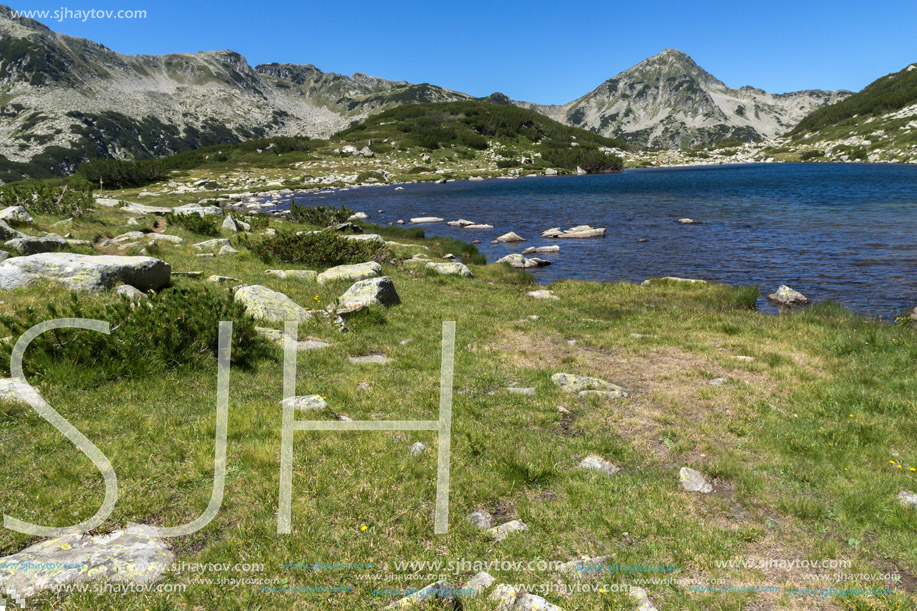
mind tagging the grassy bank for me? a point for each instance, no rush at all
(808, 439)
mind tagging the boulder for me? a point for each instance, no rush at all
(28, 245)
(350, 273)
(585, 384)
(227, 250)
(550, 172)
(212, 245)
(8, 233)
(358, 216)
(264, 304)
(16, 214)
(512, 236)
(504, 597)
(231, 224)
(300, 274)
(93, 273)
(217, 279)
(642, 599)
(580, 232)
(694, 481)
(197, 209)
(787, 297)
(366, 237)
(365, 293)
(478, 583)
(130, 292)
(134, 555)
(451, 269)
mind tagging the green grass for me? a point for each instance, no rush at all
(798, 477)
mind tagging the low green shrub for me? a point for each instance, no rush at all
(195, 223)
(176, 327)
(806, 155)
(323, 216)
(122, 174)
(320, 249)
(42, 198)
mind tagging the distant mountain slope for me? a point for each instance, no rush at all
(670, 101)
(65, 99)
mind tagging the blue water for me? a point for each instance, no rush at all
(846, 232)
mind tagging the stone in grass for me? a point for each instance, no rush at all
(351, 273)
(91, 273)
(130, 292)
(133, 555)
(369, 359)
(12, 389)
(585, 385)
(694, 481)
(451, 269)
(481, 520)
(594, 462)
(504, 596)
(306, 403)
(542, 294)
(264, 304)
(417, 449)
(216, 279)
(519, 390)
(17, 214)
(301, 344)
(441, 590)
(718, 381)
(499, 533)
(228, 250)
(584, 566)
(907, 498)
(643, 600)
(214, 244)
(530, 602)
(478, 583)
(366, 293)
(29, 245)
(301, 274)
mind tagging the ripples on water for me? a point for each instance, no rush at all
(846, 232)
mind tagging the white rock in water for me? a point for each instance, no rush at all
(512, 236)
(694, 481)
(426, 219)
(265, 304)
(358, 216)
(687, 221)
(785, 296)
(499, 533)
(91, 273)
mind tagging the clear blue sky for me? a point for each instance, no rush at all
(546, 52)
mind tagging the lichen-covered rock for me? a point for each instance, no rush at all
(451, 269)
(905, 497)
(17, 214)
(650, 281)
(366, 237)
(499, 533)
(130, 292)
(231, 224)
(441, 591)
(478, 583)
(642, 599)
(350, 273)
(694, 481)
(306, 403)
(93, 273)
(264, 304)
(211, 245)
(530, 602)
(594, 462)
(504, 597)
(132, 555)
(217, 279)
(585, 384)
(12, 389)
(28, 245)
(301, 274)
(8, 233)
(365, 293)
(197, 209)
(542, 294)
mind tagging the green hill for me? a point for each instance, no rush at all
(887, 94)
(478, 126)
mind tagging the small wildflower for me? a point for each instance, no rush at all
(891, 462)
(851, 415)
(364, 527)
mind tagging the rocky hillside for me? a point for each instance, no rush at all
(669, 101)
(65, 99)
(876, 124)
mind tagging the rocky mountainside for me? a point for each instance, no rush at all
(669, 101)
(65, 99)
